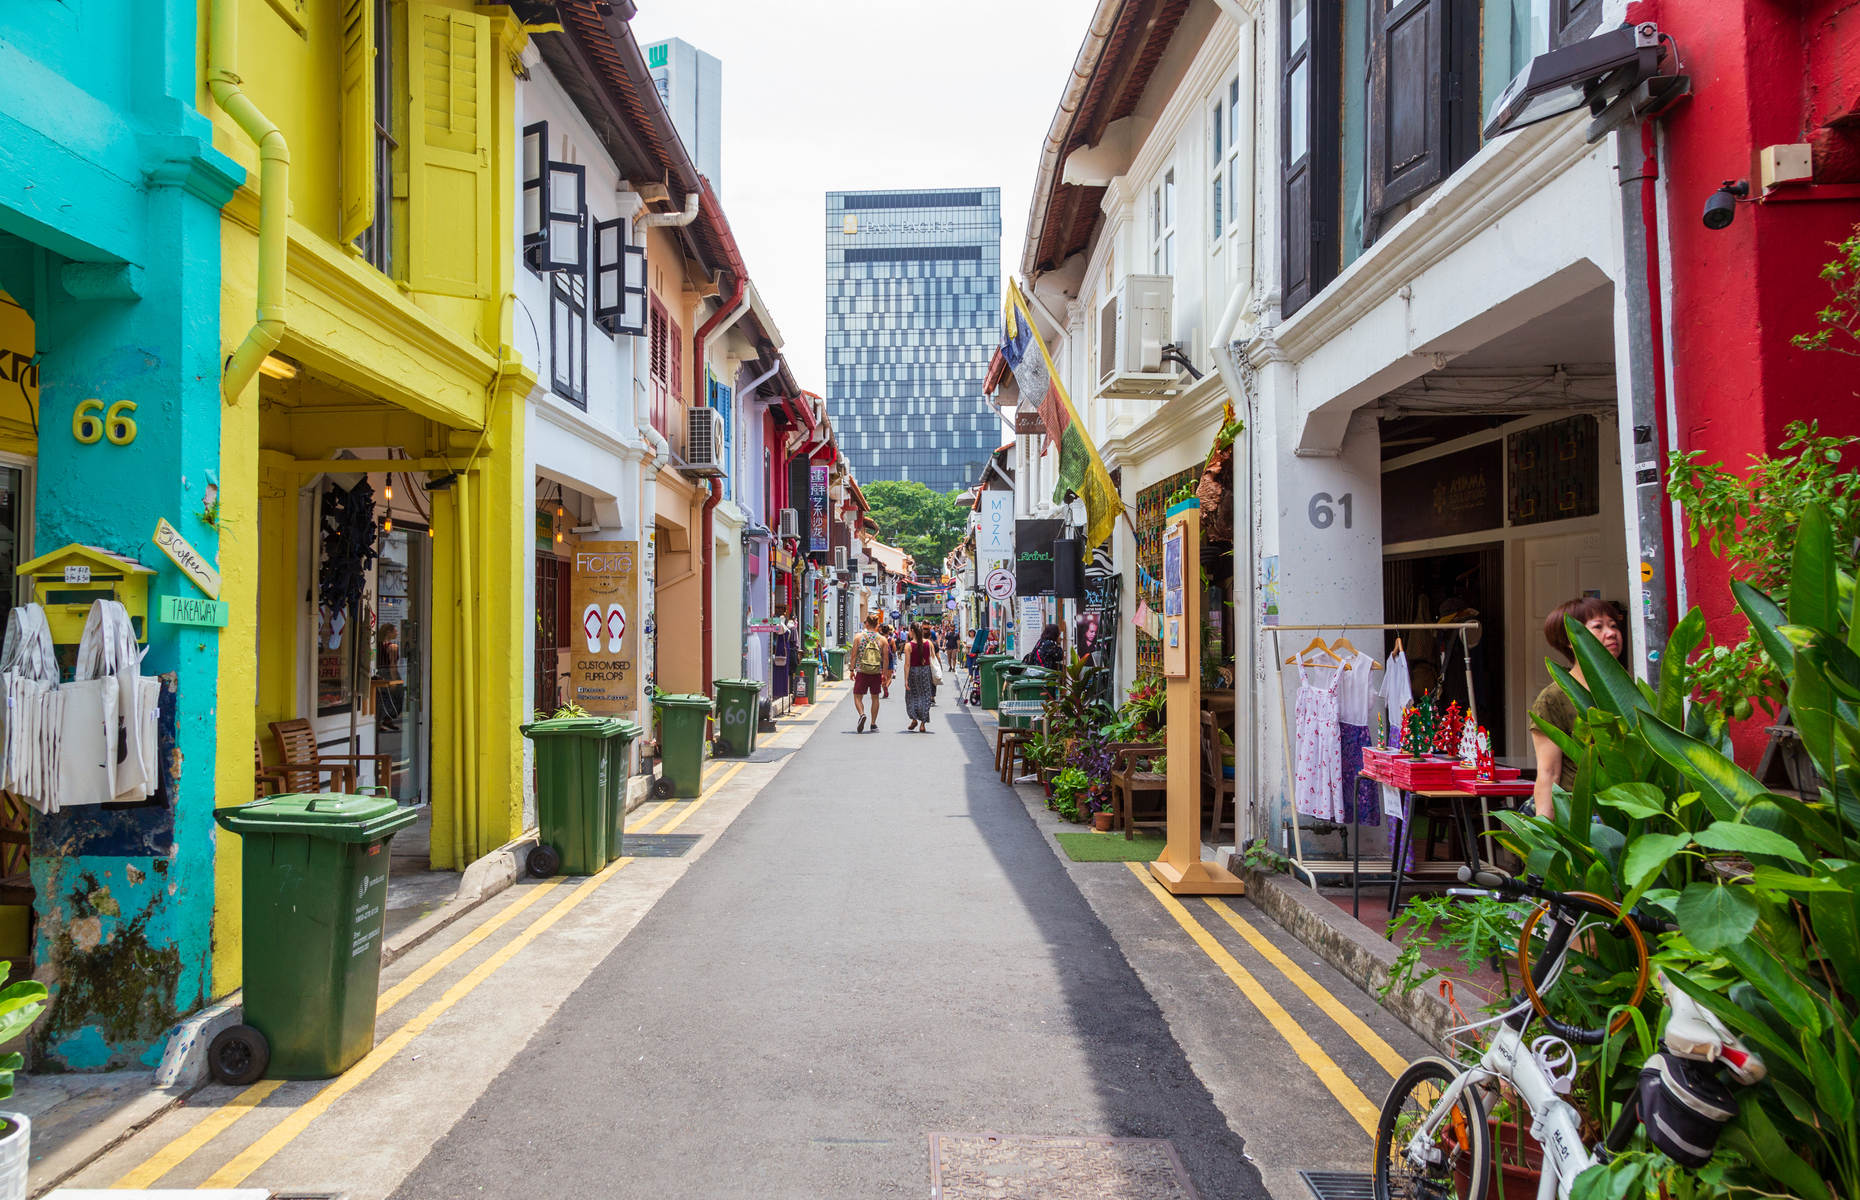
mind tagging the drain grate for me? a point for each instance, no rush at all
(659, 845)
(998, 1166)
(1339, 1185)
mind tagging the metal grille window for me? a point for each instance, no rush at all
(377, 241)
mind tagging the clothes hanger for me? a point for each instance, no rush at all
(1342, 644)
(1319, 647)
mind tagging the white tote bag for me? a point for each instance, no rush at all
(108, 651)
(88, 737)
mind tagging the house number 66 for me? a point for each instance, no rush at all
(116, 424)
(1321, 512)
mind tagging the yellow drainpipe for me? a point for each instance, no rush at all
(274, 168)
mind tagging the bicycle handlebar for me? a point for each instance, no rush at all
(1494, 880)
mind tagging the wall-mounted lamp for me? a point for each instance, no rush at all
(1721, 208)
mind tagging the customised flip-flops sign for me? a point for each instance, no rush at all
(603, 595)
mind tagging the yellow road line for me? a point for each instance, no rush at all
(1352, 1024)
(658, 808)
(208, 1128)
(260, 1152)
(1308, 1051)
(451, 954)
(682, 817)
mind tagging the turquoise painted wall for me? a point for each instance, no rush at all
(109, 236)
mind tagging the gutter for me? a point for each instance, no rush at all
(1052, 156)
(274, 167)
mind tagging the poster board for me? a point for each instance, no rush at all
(603, 597)
(1177, 629)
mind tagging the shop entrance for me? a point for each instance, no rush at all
(1464, 584)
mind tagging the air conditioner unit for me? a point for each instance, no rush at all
(704, 449)
(1134, 325)
(790, 523)
(839, 559)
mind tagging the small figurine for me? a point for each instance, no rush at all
(1422, 728)
(1485, 769)
(1469, 743)
(1447, 730)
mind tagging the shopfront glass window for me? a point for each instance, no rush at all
(400, 674)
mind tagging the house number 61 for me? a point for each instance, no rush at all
(1321, 512)
(116, 424)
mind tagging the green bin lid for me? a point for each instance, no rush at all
(595, 727)
(333, 815)
(752, 684)
(681, 700)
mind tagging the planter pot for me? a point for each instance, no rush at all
(1101, 821)
(1046, 781)
(14, 1157)
(1520, 1165)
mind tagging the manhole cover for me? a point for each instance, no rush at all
(659, 845)
(1339, 1185)
(995, 1166)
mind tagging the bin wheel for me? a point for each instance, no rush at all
(543, 862)
(663, 788)
(238, 1056)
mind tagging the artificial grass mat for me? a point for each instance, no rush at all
(1110, 847)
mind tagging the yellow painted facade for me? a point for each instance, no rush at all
(412, 361)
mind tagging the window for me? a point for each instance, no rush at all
(1162, 224)
(568, 336)
(665, 370)
(1424, 60)
(1229, 173)
(1308, 149)
(619, 279)
(376, 242)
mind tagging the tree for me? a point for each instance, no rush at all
(924, 524)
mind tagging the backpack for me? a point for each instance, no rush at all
(870, 656)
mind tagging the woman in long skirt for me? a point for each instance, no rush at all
(920, 684)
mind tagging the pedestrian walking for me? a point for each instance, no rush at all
(870, 652)
(920, 682)
(891, 656)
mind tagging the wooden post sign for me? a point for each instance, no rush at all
(192, 562)
(603, 598)
(1181, 869)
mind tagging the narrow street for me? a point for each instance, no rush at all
(873, 941)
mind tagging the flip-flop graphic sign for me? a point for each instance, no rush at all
(603, 590)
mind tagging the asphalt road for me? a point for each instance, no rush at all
(882, 945)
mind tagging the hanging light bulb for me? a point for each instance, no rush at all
(429, 531)
(558, 535)
(390, 489)
(558, 510)
(387, 525)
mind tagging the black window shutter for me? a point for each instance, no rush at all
(565, 217)
(1310, 132)
(1407, 100)
(1573, 20)
(535, 165)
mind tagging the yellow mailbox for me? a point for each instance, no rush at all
(68, 581)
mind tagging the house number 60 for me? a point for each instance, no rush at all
(116, 424)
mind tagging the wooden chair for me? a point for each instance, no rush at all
(1010, 744)
(303, 765)
(1218, 786)
(1128, 783)
(270, 781)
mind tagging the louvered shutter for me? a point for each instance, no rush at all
(1407, 125)
(1573, 21)
(535, 164)
(356, 82)
(449, 77)
(619, 279)
(1309, 129)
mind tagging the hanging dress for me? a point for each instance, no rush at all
(1356, 693)
(1317, 772)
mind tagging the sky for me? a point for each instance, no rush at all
(829, 95)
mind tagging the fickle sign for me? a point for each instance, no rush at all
(603, 597)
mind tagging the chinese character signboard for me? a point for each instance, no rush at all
(603, 597)
(817, 511)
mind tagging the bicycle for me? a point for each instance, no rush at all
(1432, 1139)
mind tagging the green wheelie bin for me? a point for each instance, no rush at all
(811, 668)
(315, 900)
(622, 750)
(737, 711)
(991, 684)
(681, 744)
(575, 776)
(836, 663)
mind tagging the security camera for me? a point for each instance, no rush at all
(1721, 209)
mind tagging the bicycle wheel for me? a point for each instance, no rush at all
(1460, 1159)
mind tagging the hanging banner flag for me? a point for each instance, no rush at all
(603, 596)
(1080, 468)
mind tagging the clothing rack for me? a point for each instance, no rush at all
(1356, 866)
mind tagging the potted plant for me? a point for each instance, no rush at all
(1069, 787)
(20, 1006)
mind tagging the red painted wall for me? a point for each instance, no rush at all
(1763, 73)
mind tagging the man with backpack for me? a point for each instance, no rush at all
(871, 655)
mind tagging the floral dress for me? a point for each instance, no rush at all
(1317, 773)
(920, 684)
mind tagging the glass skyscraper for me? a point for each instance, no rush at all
(913, 316)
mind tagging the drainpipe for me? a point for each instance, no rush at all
(274, 168)
(728, 312)
(1221, 348)
(655, 220)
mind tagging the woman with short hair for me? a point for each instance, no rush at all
(1553, 766)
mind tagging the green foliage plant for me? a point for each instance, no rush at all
(925, 524)
(1750, 520)
(1478, 929)
(1070, 786)
(1839, 323)
(20, 1006)
(1256, 855)
(1762, 884)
